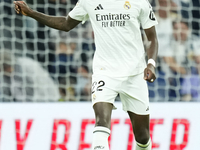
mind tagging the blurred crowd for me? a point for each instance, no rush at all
(179, 51)
(40, 64)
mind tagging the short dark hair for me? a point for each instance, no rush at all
(180, 21)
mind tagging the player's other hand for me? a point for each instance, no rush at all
(149, 73)
(22, 7)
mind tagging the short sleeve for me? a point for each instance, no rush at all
(79, 13)
(147, 17)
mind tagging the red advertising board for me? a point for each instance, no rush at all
(69, 126)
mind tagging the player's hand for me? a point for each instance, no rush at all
(149, 73)
(22, 7)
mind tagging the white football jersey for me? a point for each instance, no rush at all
(116, 24)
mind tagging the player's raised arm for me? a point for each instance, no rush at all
(60, 23)
(149, 73)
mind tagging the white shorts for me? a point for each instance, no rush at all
(133, 92)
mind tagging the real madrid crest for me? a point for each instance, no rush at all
(127, 5)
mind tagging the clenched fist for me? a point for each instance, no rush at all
(22, 7)
(149, 73)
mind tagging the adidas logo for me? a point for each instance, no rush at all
(99, 7)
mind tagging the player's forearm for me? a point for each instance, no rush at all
(59, 23)
(153, 49)
(152, 38)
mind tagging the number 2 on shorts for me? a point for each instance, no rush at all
(100, 84)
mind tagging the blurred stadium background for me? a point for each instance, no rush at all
(40, 64)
